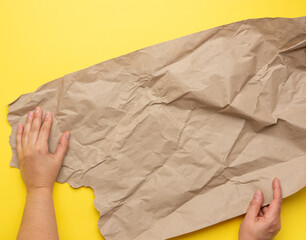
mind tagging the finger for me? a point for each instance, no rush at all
(35, 128)
(62, 147)
(45, 131)
(26, 129)
(276, 203)
(265, 209)
(19, 139)
(255, 205)
(261, 214)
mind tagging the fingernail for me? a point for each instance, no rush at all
(257, 194)
(30, 114)
(67, 136)
(37, 110)
(47, 115)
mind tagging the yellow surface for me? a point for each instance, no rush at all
(42, 40)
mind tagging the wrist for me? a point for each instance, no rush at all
(40, 191)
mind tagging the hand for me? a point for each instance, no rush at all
(38, 167)
(262, 223)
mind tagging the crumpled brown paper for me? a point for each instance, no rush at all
(177, 136)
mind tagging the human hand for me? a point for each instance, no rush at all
(38, 167)
(262, 223)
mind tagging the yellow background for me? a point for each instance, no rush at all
(42, 40)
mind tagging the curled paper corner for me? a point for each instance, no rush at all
(185, 127)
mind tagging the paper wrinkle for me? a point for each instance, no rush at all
(187, 126)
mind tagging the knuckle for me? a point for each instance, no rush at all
(39, 149)
(274, 222)
(274, 225)
(47, 123)
(20, 156)
(35, 125)
(254, 203)
(43, 129)
(24, 134)
(66, 144)
(47, 120)
(27, 152)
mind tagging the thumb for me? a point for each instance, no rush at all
(255, 205)
(62, 147)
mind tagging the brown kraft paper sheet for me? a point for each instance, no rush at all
(177, 136)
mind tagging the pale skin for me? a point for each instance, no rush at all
(262, 223)
(39, 169)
